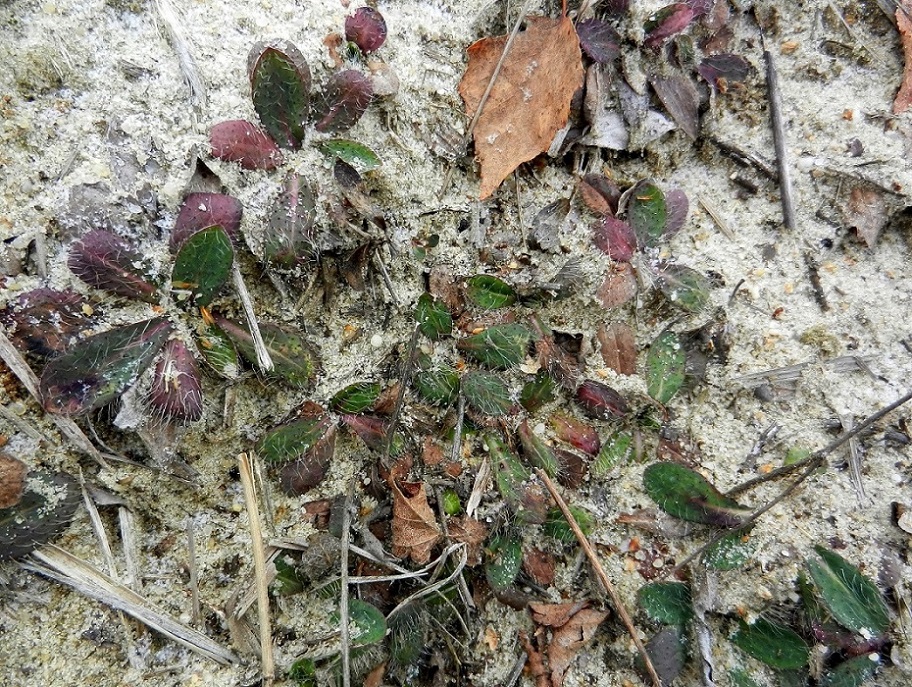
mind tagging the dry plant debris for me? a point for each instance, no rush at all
(904, 24)
(530, 99)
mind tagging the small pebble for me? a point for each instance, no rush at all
(376, 341)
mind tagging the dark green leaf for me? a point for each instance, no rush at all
(367, 624)
(852, 673)
(217, 350)
(537, 392)
(730, 552)
(202, 266)
(489, 292)
(665, 367)
(44, 510)
(440, 387)
(303, 672)
(537, 452)
(487, 393)
(408, 632)
(778, 646)
(668, 603)
(685, 494)
(280, 88)
(556, 524)
(287, 579)
(524, 497)
(434, 321)
(288, 237)
(356, 398)
(356, 154)
(501, 346)
(295, 360)
(851, 597)
(97, 370)
(504, 561)
(647, 214)
(289, 441)
(616, 449)
(684, 287)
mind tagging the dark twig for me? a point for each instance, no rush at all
(775, 101)
(344, 628)
(601, 575)
(400, 396)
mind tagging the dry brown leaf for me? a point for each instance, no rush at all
(415, 530)
(530, 100)
(620, 286)
(573, 626)
(866, 211)
(618, 347)
(904, 24)
(12, 480)
(470, 532)
(539, 565)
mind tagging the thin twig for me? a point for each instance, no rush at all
(775, 100)
(601, 575)
(487, 92)
(717, 218)
(197, 615)
(259, 565)
(344, 627)
(387, 281)
(264, 361)
(457, 430)
(461, 585)
(404, 381)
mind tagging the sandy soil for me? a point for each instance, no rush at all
(74, 72)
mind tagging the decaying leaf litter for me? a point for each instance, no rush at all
(725, 421)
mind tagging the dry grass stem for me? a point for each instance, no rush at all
(267, 661)
(264, 361)
(194, 573)
(601, 576)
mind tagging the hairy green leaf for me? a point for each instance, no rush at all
(668, 603)
(647, 213)
(665, 367)
(280, 88)
(537, 391)
(557, 527)
(437, 386)
(730, 552)
(851, 597)
(202, 266)
(292, 440)
(434, 320)
(296, 361)
(616, 449)
(367, 624)
(489, 292)
(501, 346)
(685, 494)
(504, 561)
(356, 154)
(684, 287)
(45, 508)
(356, 398)
(778, 646)
(486, 392)
(537, 452)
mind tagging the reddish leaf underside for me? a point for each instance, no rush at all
(177, 391)
(202, 210)
(242, 142)
(904, 24)
(530, 100)
(104, 260)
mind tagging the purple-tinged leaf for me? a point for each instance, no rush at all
(647, 212)
(676, 205)
(366, 28)
(345, 98)
(724, 67)
(242, 142)
(202, 266)
(678, 94)
(288, 238)
(203, 210)
(304, 473)
(536, 451)
(295, 360)
(575, 432)
(280, 88)
(105, 261)
(373, 432)
(600, 401)
(700, 7)
(619, 287)
(667, 22)
(97, 370)
(599, 40)
(600, 194)
(177, 391)
(615, 238)
(43, 321)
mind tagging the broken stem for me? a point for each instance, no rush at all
(601, 575)
(344, 628)
(775, 100)
(267, 662)
(264, 361)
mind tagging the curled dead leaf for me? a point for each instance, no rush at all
(415, 529)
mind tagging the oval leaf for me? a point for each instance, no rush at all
(599, 40)
(434, 320)
(486, 393)
(537, 392)
(557, 527)
(97, 370)
(600, 401)
(576, 433)
(202, 266)
(242, 142)
(501, 346)
(280, 87)
(667, 22)
(346, 97)
(778, 646)
(356, 398)
(288, 238)
(440, 387)
(177, 391)
(647, 213)
(304, 473)
(665, 367)
(296, 361)
(366, 28)
(217, 350)
(367, 623)
(684, 287)
(356, 154)
(616, 449)
(105, 261)
(293, 439)
(851, 597)
(685, 494)
(37, 518)
(615, 238)
(203, 210)
(504, 561)
(668, 603)
(489, 292)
